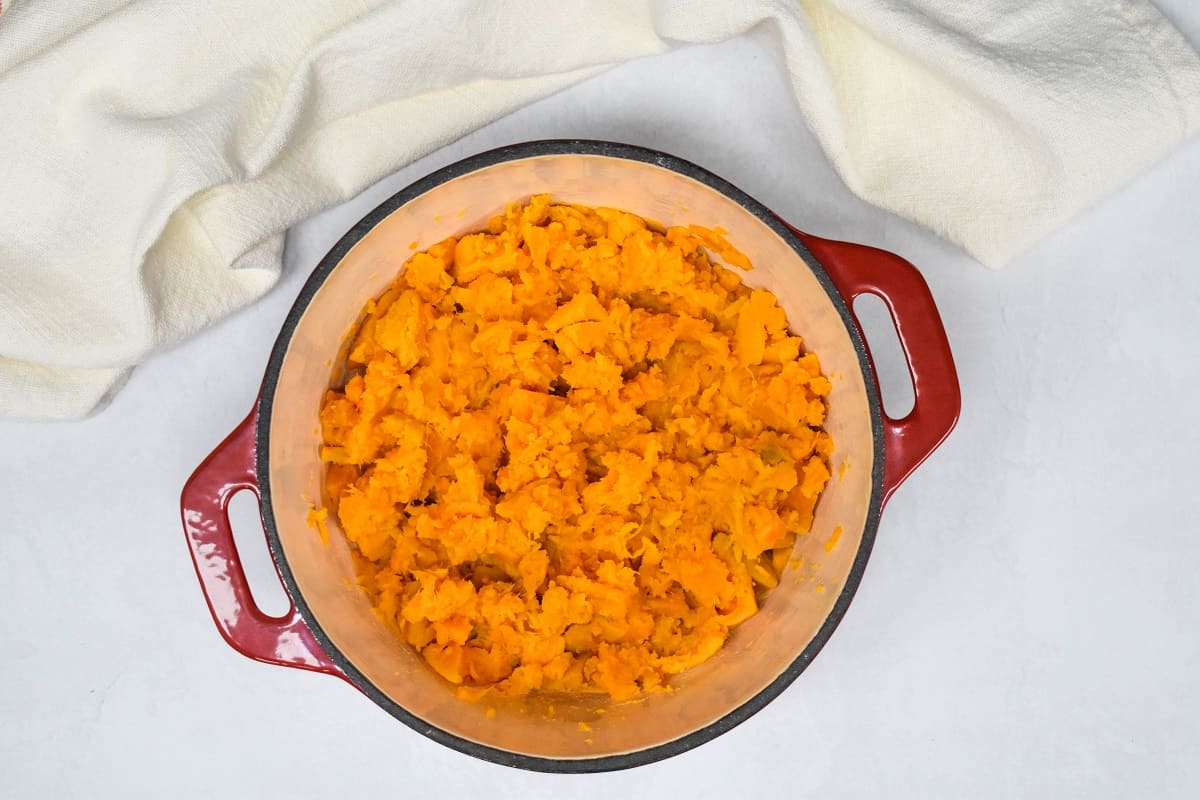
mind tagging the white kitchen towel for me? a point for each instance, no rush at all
(153, 153)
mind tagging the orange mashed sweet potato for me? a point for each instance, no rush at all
(570, 452)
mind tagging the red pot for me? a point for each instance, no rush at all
(331, 628)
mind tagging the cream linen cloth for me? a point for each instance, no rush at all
(153, 153)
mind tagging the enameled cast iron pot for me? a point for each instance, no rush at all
(331, 628)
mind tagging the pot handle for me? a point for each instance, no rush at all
(857, 269)
(283, 640)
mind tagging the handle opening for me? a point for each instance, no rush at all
(250, 541)
(891, 365)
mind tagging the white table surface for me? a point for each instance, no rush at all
(1029, 623)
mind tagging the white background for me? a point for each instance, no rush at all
(1029, 624)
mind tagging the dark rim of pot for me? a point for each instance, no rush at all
(329, 263)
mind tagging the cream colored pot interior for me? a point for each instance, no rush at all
(758, 651)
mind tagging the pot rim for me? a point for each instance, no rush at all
(333, 258)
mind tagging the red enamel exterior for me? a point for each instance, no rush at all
(857, 269)
(283, 640)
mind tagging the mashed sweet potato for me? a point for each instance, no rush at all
(572, 452)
